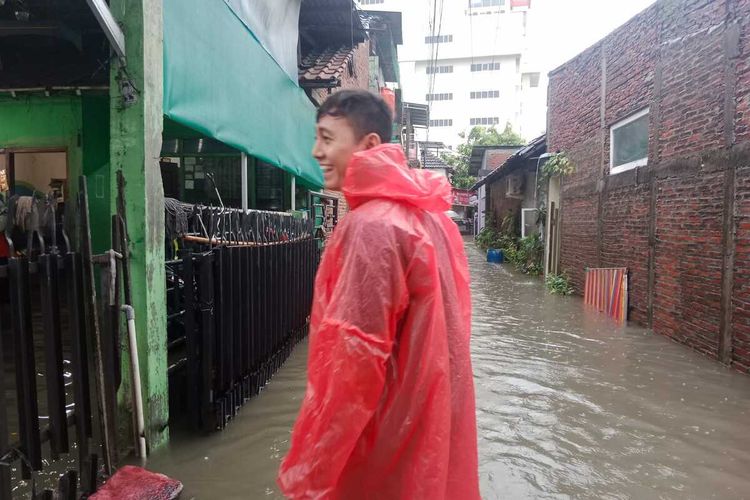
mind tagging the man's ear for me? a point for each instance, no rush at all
(372, 140)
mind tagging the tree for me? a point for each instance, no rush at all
(478, 136)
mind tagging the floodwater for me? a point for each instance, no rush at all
(569, 405)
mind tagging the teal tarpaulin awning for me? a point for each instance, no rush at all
(220, 81)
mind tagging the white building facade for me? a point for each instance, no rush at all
(473, 66)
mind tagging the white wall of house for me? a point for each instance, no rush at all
(495, 36)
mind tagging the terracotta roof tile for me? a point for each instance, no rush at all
(325, 65)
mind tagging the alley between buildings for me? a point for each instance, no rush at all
(569, 405)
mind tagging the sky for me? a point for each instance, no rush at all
(564, 28)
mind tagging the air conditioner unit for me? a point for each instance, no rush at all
(515, 187)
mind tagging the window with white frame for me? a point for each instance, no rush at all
(485, 67)
(438, 39)
(447, 96)
(628, 140)
(485, 3)
(441, 123)
(494, 120)
(439, 69)
(529, 226)
(485, 94)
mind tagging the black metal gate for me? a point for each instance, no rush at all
(44, 369)
(239, 302)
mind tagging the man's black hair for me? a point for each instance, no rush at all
(366, 112)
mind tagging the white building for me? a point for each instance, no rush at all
(473, 68)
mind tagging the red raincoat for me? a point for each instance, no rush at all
(389, 408)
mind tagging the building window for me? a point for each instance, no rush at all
(485, 67)
(439, 69)
(441, 123)
(440, 97)
(628, 140)
(484, 121)
(473, 4)
(438, 39)
(371, 2)
(533, 80)
(485, 94)
(529, 226)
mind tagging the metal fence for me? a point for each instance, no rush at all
(45, 385)
(239, 300)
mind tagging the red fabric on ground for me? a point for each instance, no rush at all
(136, 483)
(389, 411)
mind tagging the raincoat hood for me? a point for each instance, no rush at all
(383, 173)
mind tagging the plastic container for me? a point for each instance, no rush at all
(495, 256)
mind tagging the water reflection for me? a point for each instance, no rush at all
(569, 405)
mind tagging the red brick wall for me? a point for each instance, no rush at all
(741, 295)
(625, 228)
(742, 118)
(688, 61)
(687, 298)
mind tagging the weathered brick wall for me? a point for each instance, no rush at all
(741, 292)
(360, 79)
(578, 231)
(687, 292)
(688, 61)
(625, 228)
(742, 117)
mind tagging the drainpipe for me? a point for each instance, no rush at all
(536, 178)
(243, 170)
(294, 193)
(135, 371)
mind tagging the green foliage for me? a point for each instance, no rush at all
(478, 136)
(559, 164)
(559, 284)
(525, 254)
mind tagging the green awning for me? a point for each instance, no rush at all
(220, 81)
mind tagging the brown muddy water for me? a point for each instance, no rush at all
(569, 405)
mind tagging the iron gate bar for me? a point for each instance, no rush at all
(80, 370)
(191, 340)
(5, 486)
(28, 409)
(54, 372)
(237, 306)
(207, 309)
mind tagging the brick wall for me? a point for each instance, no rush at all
(681, 224)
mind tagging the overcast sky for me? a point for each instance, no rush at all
(566, 27)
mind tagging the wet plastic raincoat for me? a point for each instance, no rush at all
(389, 408)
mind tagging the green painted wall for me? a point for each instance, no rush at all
(95, 142)
(135, 149)
(80, 126)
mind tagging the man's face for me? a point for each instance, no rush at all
(335, 144)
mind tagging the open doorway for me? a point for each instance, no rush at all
(36, 172)
(33, 188)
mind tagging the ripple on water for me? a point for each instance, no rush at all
(571, 405)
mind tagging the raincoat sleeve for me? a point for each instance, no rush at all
(349, 350)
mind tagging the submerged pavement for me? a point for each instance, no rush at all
(569, 405)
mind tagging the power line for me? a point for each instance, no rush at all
(436, 44)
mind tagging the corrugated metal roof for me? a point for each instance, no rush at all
(430, 160)
(533, 149)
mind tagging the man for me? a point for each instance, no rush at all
(389, 408)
